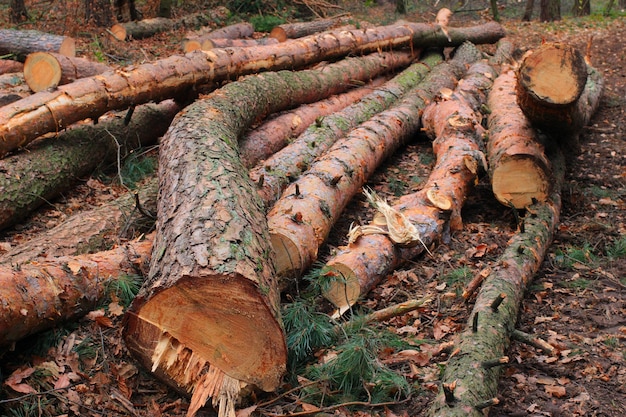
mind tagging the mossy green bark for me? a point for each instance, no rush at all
(476, 383)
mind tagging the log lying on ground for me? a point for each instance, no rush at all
(518, 167)
(33, 178)
(8, 65)
(475, 383)
(44, 70)
(454, 122)
(276, 133)
(300, 29)
(176, 76)
(275, 173)
(40, 295)
(558, 91)
(23, 42)
(92, 231)
(211, 258)
(149, 27)
(231, 32)
(208, 44)
(302, 218)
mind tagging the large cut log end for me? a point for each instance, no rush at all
(343, 288)
(198, 324)
(42, 71)
(118, 31)
(520, 180)
(554, 74)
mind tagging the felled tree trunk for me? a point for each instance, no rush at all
(44, 70)
(222, 35)
(277, 132)
(455, 125)
(40, 295)
(300, 29)
(206, 44)
(301, 220)
(149, 27)
(519, 170)
(32, 178)
(8, 65)
(211, 263)
(23, 42)
(92, 231)
(176, 76)
(550, 86)
(286, 165)
(470, 379)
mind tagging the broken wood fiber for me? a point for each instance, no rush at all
(454, 124)
(300, 222)
(176, 76)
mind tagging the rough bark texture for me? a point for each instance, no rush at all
(300, 29)
(91, 231)
(454, 124)
(211, 258)
(276, 133)
(44, 70)
(8, 65)
(150, 27)
(275, 173)
(23, 42)
(206, 44)
(476, 383)
(558, 91)
(518, 167)
(226, 36)
(301, 220)
(30, 179)
(91, 97)
(41, 295)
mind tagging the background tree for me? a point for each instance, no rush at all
(18, 12)
(581, 8)
(550, 10)
(99, 11)
(528, 11)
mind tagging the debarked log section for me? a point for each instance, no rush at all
(176, 76)
(454, 124)
(302, 218)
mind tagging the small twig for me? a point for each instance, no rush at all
(336, 406)
(533, 341)
(141, 209)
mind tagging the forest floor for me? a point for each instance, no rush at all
(577, 301)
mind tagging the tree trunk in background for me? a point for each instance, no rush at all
(581, 8)
(550, 10)
(99, 11)
(528, 11)
(23, 42)
(17, 11)
(165, 8)
(125, 10)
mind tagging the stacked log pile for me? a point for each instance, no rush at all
(233, 224)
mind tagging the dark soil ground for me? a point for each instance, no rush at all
(577, 301)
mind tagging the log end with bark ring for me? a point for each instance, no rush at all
(343, 289)
(42, 71)
(554, 74)
(519, 180)
(222, 320)
(118, 31)
(279, 34)
(190, 45)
